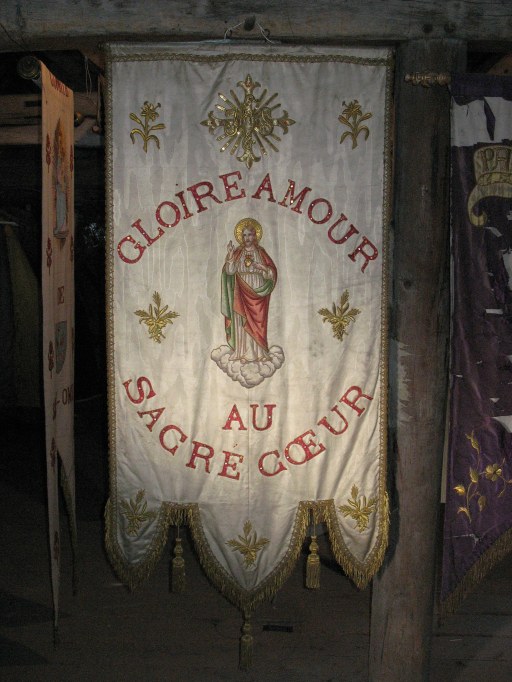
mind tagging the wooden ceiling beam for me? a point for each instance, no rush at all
(28, 25)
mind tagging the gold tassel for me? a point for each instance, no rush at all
(313, 566)
(178, 568)
(246, 641)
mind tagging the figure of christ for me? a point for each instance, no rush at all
(248, 278)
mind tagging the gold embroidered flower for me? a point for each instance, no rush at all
(352, 116)
(149, 114)
(359, 508)
(493, 472)
(136, 512)
(352, 109)
(149, 111)
(156, 318)
(340, 317)
(248, 544)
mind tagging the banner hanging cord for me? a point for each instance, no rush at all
(248, 25)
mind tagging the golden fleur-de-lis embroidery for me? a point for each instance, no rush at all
(248, 123)
(149, 114)
(248, 544)
(352, 116)
(471, 491)
(156, 318)
(359, 508)
(136, 512)
(340, 316)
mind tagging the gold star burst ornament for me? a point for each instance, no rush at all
(249, 123)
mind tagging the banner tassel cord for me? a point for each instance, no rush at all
(178, 567)
(313, 560)
(313, 566)
(246, 645)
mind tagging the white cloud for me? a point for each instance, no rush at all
(249, 374)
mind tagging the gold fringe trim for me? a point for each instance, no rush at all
(189, 514)
(484, 564)
(246, 600)
(388, 60)
(359, 572)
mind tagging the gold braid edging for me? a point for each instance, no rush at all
(241, 56)
(477, 573)
(135, 574)
(246, 600)
(109, 283)
(358, 571)
(189, 514)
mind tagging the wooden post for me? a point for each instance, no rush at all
(403, 592)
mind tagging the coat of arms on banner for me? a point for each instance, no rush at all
(247, 308)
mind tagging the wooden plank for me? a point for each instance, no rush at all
(27, 24)
(478, 648)
(485, 624)
(20, 117)
(471, 671)
(403, 592)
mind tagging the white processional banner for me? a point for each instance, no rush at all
(248, 201)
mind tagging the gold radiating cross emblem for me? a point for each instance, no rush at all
(249, 123)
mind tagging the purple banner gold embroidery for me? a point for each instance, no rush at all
(478, 516)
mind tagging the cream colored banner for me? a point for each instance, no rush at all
(58, 305)
(248, 202)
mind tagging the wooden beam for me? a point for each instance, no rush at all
(20, 117)
(50, 24)
(403, 592)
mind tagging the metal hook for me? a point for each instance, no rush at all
(265, 33)
(230, 30)
(249, 23)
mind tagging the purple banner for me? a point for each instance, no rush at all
(478, 515)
